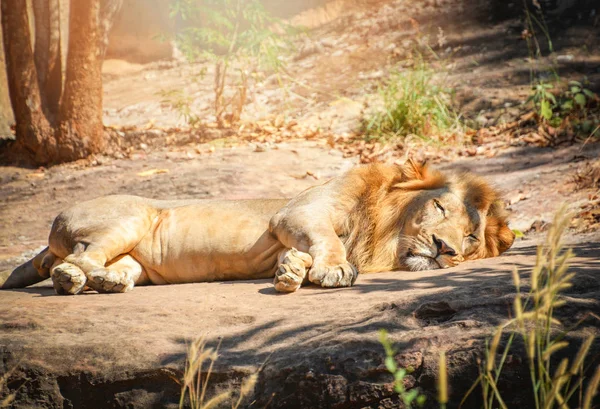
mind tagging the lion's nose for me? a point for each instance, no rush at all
(443, 247)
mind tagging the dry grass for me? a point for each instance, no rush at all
(10, 397)
(198, 369)
(542, 334)
(587, 176)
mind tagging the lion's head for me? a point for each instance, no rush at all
(420, 219)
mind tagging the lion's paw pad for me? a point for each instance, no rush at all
(341, 275)
(108, 281)
(68, 279)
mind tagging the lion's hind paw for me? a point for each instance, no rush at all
(68, 279)
(108, 281)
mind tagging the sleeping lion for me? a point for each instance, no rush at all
(373, 218)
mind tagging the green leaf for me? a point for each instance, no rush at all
(589, 93)
(567, 105)
(518, 233)
(400, 374)
(575, 90)
(390, 364)
(586, 126)
(580, 100)
(576, 83)
(421, 400)
(556, 121)
(410, 396)
(546, 110)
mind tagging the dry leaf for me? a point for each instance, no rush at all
(149, 125)
(517, 198)
(36, 175)
(314, 175)
(151, 172)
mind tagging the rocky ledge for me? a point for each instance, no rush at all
(313, 349)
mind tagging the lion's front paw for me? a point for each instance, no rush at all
(292, 270)
(68, 279)
(340, 275)
(108, 281)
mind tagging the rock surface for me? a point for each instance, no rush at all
(313, 349)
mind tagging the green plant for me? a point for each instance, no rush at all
(195, 381)
(577, 96)
(575, 103)
(413, 104)
(408, 397)
(531, 37)
(535, 324)
(181, 103)
(236, 35)
(543, 99)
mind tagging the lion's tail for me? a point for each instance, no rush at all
(33, 271)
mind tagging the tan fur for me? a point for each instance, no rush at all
(373, 218)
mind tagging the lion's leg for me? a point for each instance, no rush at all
(330, 268)
(291, 271)
(119, 275)
(43, 262)
(92, 260)
(106, 274)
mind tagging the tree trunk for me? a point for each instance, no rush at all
(48, 55)
(108, 12)
(35, 136)
(81, 130)
(52, 127)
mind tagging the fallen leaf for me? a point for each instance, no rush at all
(517, 198)
(36, 175)
(151, 172)
(314, 175)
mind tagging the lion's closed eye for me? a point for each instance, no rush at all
(439, 207)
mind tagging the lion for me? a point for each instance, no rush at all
(373, 218)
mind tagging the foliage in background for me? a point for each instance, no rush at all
(552, 386)
(412, 104)
(408, 397)
(196, 380)
(535, 21)
(178, 100)
(239, 37)
(576, 108)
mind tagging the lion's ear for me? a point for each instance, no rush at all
(413, 170)
(417, 176)
(498, 236)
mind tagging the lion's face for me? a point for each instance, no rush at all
(446, 220)
(441, 232)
